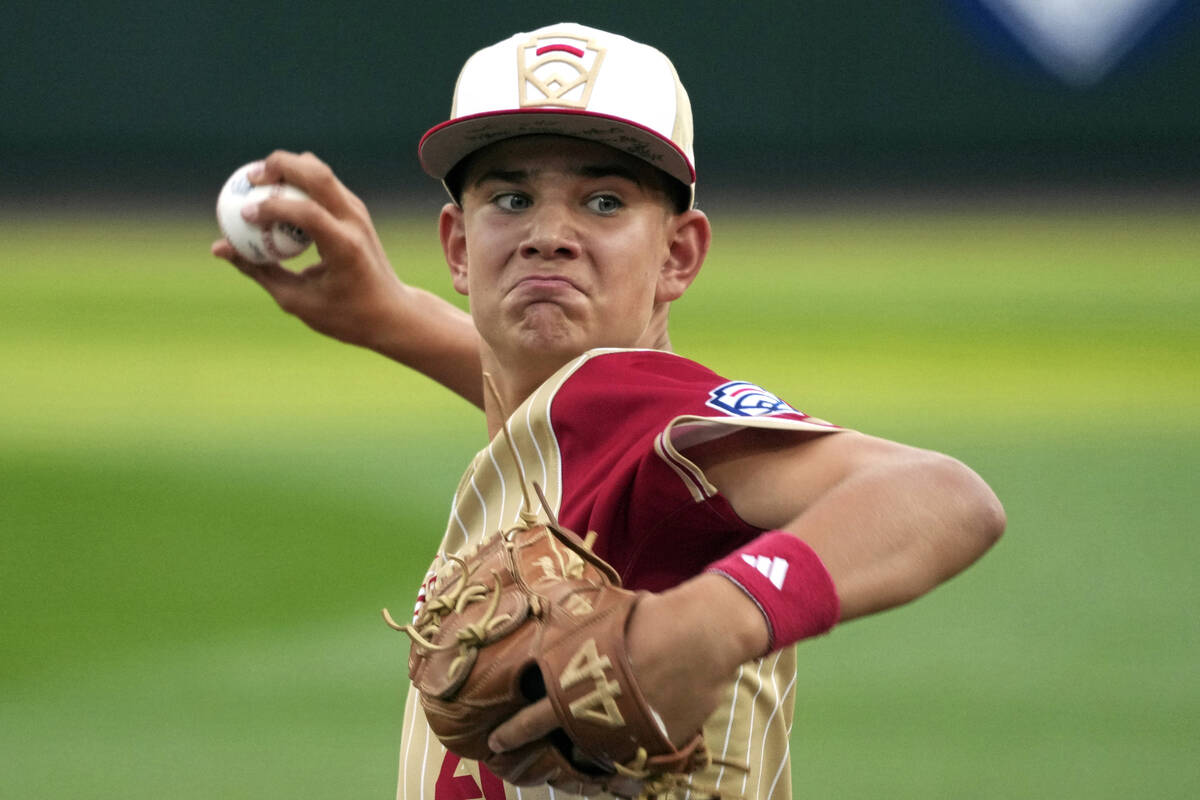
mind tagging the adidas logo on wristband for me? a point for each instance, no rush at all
(806, 605)
(773, 569)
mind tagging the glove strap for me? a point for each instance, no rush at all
(788, 582)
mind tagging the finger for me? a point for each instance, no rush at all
(527, 725)
(221, 248)
(314, 176)
(336, 240)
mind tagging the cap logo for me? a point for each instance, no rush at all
(558, 70)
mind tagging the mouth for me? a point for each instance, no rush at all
(546, 284)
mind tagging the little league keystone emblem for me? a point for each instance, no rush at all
(558, 70)
(742, 399)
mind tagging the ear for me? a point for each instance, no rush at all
(453, 233)
(690, 235)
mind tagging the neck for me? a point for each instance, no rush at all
(512, 386)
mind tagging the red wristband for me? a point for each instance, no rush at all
(788, 582)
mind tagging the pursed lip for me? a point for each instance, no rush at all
(545, 283)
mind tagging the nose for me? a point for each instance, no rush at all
(551, 234)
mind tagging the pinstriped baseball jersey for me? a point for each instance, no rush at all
(604, 438)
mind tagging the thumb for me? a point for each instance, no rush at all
(528, 725)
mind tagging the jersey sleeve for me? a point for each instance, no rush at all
(623, 420)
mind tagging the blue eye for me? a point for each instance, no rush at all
(512, 201)
(605, 204)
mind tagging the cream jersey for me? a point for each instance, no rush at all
(604, 437)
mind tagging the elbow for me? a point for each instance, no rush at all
(993, 519)
(987, 515)
(978, 517)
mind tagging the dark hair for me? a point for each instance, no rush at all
(454, 180)
(679, 193)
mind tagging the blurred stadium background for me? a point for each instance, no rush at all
(970, 225)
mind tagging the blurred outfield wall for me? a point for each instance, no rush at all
(161, 95)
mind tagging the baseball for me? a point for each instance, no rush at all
(256, 243)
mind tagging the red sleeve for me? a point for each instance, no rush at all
(606, 417)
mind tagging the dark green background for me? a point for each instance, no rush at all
(824, 94)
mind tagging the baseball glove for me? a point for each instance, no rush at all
(533, 612)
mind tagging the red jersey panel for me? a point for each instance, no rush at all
(606, 418)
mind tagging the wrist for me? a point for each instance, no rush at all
(788, 584)
(732, 619)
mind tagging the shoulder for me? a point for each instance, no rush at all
(627, 380)
(649, 366)
(633, 388)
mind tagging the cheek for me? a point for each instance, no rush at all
(645, 255)
(481, 249)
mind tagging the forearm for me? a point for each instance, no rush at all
(431, 335)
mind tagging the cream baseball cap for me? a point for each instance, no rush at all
(570, 80)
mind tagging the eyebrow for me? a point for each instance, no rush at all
(586, 171)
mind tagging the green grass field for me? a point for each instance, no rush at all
(203, 506)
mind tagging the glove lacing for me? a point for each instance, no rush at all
(471, 637)
(663, 785)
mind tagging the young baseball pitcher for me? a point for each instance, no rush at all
(741, 525)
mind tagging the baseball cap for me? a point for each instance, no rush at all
(570, 80)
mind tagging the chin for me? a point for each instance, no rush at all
(545, 328)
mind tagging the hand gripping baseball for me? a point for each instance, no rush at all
(347, 289)
(352, 294)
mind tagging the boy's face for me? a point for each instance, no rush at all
(562, 245)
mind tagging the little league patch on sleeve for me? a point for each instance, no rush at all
(742, 399)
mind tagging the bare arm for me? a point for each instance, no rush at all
(352, 294)
(890, 522)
